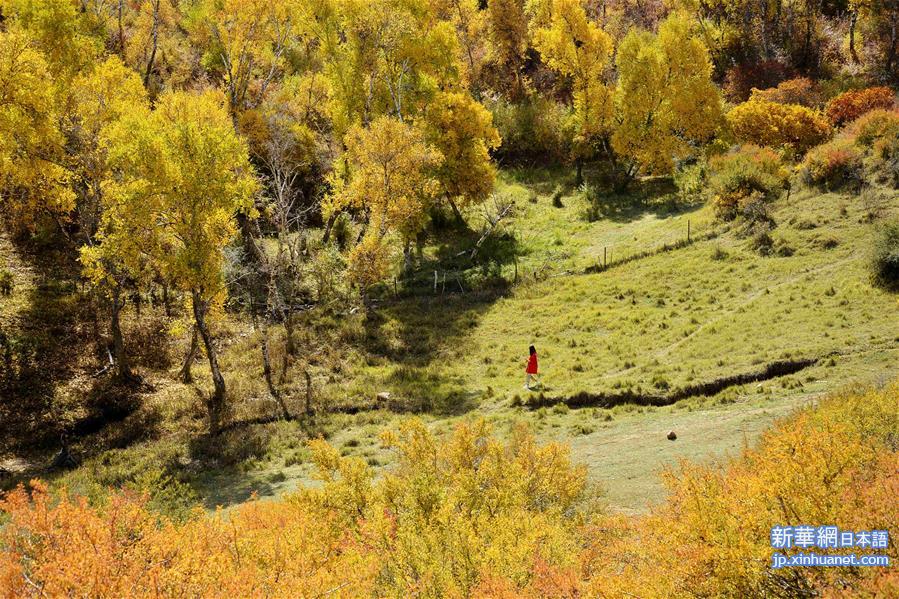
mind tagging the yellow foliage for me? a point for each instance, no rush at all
(369, 262)
(791, 127)
(665, 102)
(466, 516)
(33, 178)
(390, 177)
(471, 515)
(575, 46)
(462, 131)
(830, 465)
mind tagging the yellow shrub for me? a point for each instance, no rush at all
(789, 126)
(474, 516)
(831, 465)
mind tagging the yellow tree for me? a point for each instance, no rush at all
(879, 20)
(245, 42)
(665, 101)
(33, 177)
(471, 27)
(99, 98)
(58, 29)
(43, 47)
(181, 175)
(390, 179)
(507, 36)
(462, 131)
(576, 47)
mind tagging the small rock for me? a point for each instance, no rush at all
(672, 435)
(383, 396)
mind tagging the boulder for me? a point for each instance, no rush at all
(672, 435)
(383, 396)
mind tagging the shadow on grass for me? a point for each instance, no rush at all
(37, 350)
(649, 195)
(40, 353)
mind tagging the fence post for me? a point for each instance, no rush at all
(688, 230)
(604, 260)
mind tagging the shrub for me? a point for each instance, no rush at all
(472, 515)
(369, 262)
(690, 180)
(789, 126)
(6, 281)
(739, 178)
(343, 231)
(850, 105)
(557, 197)
(741, 79)
(801, 90)
(833, 165)
(834, 464)
(452, 515)
(885, 258)
(874, 125)
(873, 202)
(535, 128)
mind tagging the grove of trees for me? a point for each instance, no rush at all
(155, 135)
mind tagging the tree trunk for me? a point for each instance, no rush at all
(121, 30)
(308, 392)
(853, 21)
(123, 369)
(456, 210)
(891, 54)
(407, 257)
(155, 43)
(216, 403)
(328, 226)
(166, 300)
(290, 346)
(185, 375)
(267, 372)
(579, 173)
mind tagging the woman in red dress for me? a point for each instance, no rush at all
(531, 370)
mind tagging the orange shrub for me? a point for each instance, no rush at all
(473, 516)
(801, 90)
(850, 105)
(834, 164)
(464, 516)
(789, 126)
(68, 548)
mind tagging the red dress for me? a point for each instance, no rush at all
(532, 365)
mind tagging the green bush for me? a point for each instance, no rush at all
(690, 180)
(536, 128)
(6, 283)
(833, 165)
(557, 197)
(885, 259)
(745, 178)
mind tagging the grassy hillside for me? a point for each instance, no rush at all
(680, 316)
